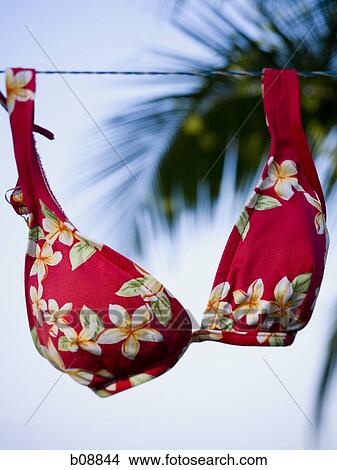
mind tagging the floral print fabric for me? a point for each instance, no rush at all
(83, 332)
(273, 263)
(108, 324)
(94, 314)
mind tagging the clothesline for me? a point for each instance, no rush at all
(197, 73)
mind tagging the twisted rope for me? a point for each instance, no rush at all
(196, 73)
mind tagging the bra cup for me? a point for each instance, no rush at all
(93, 313)
(281, 242)
(272, 266)
(96, 310)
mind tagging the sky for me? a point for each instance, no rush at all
(217, 396)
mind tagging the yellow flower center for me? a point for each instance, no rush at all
(52, 318)
(129, 330)
(75, 341)
(254, 303)
(44, 259)
(12, 89)
(212, 304)
(63, 227)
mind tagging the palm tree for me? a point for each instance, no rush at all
(194, 126)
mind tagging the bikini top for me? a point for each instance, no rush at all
(109, 324)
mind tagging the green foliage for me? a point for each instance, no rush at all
(184, 133)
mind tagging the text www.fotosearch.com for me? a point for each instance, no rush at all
(167, 460)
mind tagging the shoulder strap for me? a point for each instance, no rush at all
(281, 99)
(20, 85)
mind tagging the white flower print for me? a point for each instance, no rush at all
(38, 304)
(217, 307)
(73, 341)
(285, 306)
(319, 217)
(15, 86)
(250, 304)
(273, 339)
(130, 329)
(57, 229)
(282, 177)
(82, 376)
(44, 257)
(55, 317)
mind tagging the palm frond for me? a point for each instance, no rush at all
(174, 138)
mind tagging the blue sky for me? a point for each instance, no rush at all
(217, 396)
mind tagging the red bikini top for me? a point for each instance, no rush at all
(110, 325)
